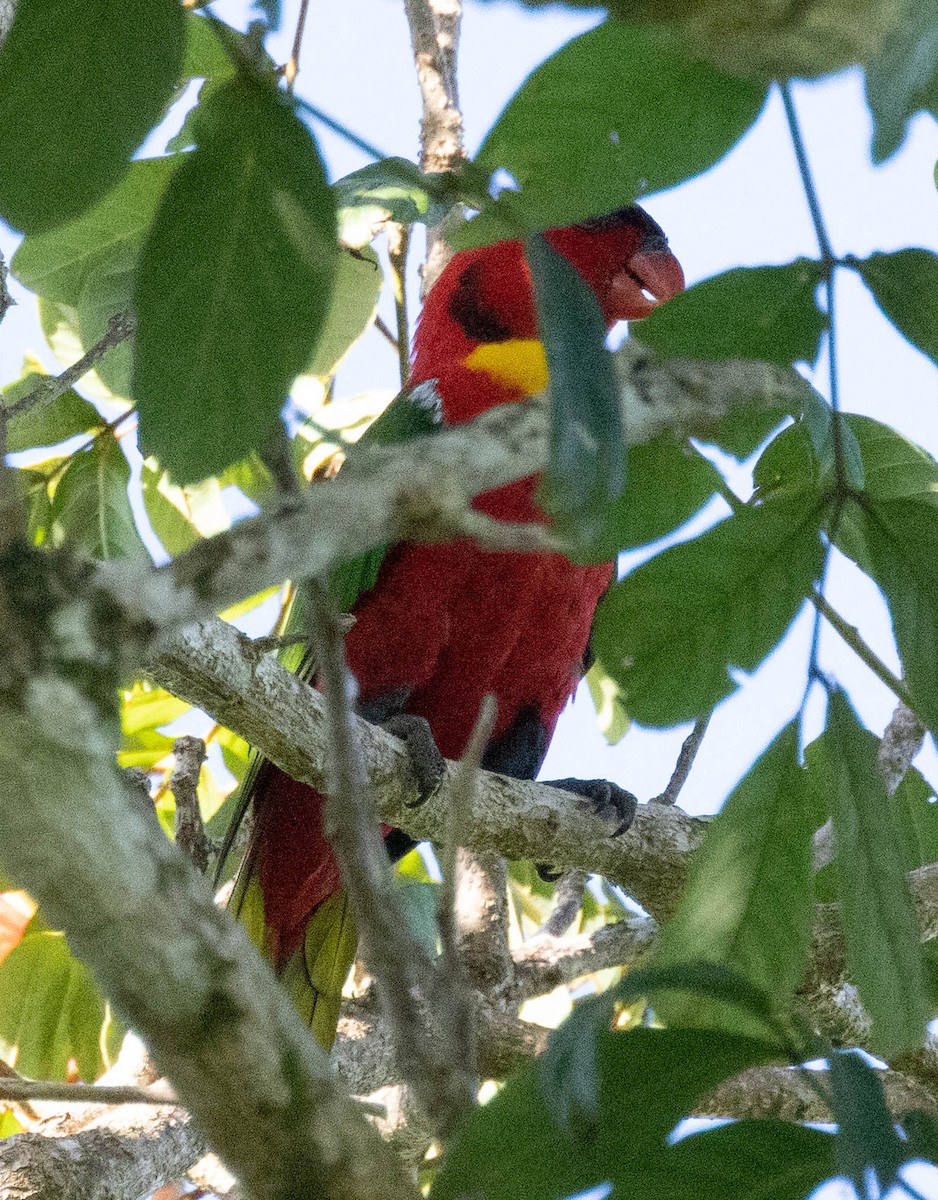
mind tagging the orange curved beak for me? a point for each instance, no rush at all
(650, 278)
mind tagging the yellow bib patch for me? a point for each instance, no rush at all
(517, 363)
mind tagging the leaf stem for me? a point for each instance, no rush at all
(851, 636)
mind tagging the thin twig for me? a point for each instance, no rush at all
(568, 899)
(901, 742)
(385, 332)
(19, 1090)
(685, 760)
(398, 245)
(393, 954)
(119, 328)
(292, 69)
(6, 300)
(190, 833)
(851, 636)
(434, 34)
(452, 993)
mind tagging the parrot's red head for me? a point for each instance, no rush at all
(478, 330)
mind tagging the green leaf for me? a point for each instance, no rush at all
(234, 283)
(903, 77)
(81, 83)
(51, 1011)
(901, 538)
(611, 714)
(205, 56)
(771, 1160)
(667, 482)
(922, 1131)
(881, 933)
(45, 424)
(766, 313)
(866, 1135)
(586, 468)
(390, 190)
(90, 507)
(107, 293)
(58, 264)
(905, 286)
(513, 1148)
(617, 112)
(672, 632)
(419, 902)
(749, 902)
(354, 302)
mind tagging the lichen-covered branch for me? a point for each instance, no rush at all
(175, 966)
(418, 491)
(214, 667)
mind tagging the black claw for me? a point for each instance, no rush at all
(548, 874)
(606, 800)
(426, 761)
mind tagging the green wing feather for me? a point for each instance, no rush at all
(315, 975)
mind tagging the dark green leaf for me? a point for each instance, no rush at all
(712, 981)
(205, 55)
(866, 1136)
(390, 190)
(90, 508)
(354, 300)
(881, 933)
(81, 83)
(586, 468)
(50, 1010)
(905, 285)
(764, 1159)
(419, 902)
(671, 632)
(766, 313)
(749, 902)
(234, 283)
(901, 538)
(59, 264)
(45, 424)
(922, 1131)
(617, 112)
(903, 77)
(513, 1149)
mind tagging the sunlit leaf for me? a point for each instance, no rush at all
(51, 1011)
(227, 318)
(90, 506)
(81, 83)
(611, 714)
(390, 190)
(45, 424)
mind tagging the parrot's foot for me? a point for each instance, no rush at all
(612, 804)
(426, 762)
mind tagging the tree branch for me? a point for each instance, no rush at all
(175, 966)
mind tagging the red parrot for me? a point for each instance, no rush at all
(439, 626)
